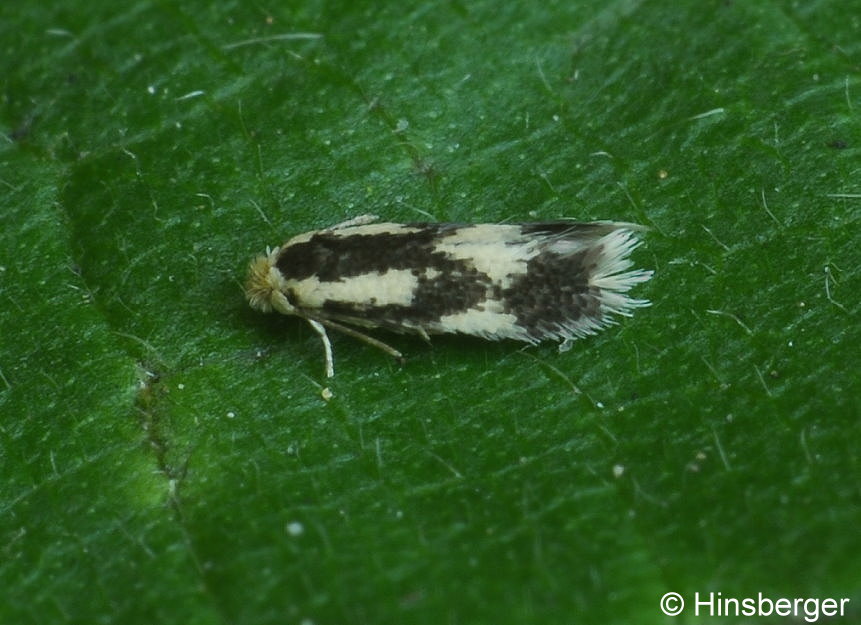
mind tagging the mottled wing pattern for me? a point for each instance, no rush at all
(527, 282)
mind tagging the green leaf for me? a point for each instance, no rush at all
(165, 452)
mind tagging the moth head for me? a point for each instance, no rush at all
(265, 286)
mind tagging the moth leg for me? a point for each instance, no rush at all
(423, 333)
(327, 347)
(361, 220)
(391, 351)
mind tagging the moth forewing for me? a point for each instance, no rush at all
(529, 282)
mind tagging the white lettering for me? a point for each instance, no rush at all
(710, 604)
(811, 609)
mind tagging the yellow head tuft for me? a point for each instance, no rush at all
(259, 288)
(266, 288)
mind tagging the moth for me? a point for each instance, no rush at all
(530, 282)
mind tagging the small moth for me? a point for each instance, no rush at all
(529, 282)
